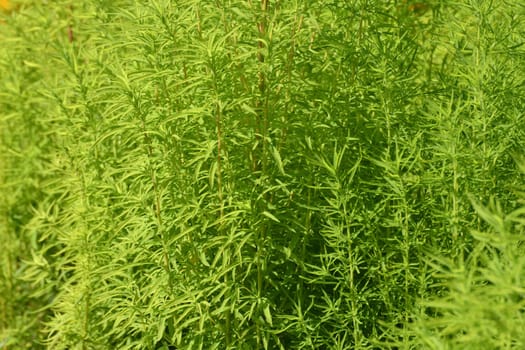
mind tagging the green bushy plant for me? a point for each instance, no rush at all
(260, 175)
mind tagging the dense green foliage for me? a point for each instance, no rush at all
(241, 174)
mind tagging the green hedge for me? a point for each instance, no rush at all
(262, 175)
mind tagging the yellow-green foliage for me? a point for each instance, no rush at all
(262, 175)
